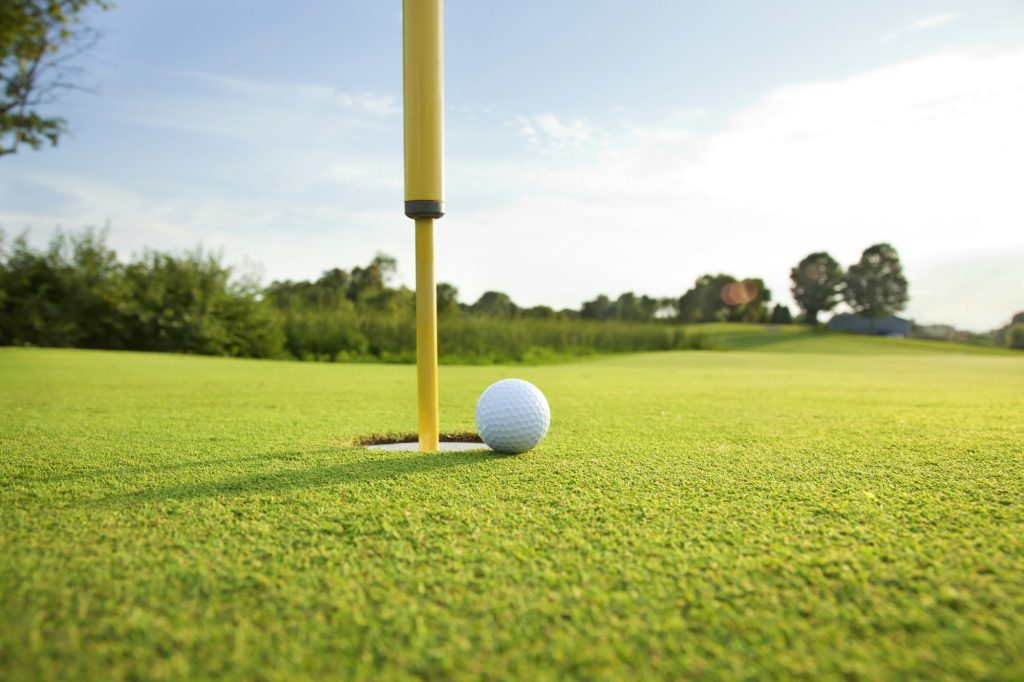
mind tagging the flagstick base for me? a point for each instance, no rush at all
(441, 447)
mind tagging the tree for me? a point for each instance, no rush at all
(601, 308)
(495, 304)
(703, 301)
(71, 294)
(781, 315)
(628, 307)
(1015, 336)
(332, 287)
(328, 292)
(723, 298)
(1018, 318)
(875, 286)
(539, 312)
(747, 300)
(367, 284)
(668, 309)
(38, 39)
(635, 308)
(447, 299)
(76, 293)
(817, 284)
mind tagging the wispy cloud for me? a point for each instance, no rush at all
(372, 103)
(933, 21)
(925, 24)
(548, 131)
(225, 106)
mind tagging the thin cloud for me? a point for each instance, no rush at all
(923, 25)
(373, 103)
(225, 106)
(933, 21)
(548, 131)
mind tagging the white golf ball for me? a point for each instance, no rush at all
(512, 416)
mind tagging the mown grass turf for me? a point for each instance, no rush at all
(695, 514)
(798, 338)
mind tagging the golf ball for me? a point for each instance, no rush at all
(512, 416)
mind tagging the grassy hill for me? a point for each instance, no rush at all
(814, 513)
(796, 338)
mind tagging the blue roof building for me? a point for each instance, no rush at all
(883, 326)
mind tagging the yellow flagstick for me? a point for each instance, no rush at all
(423, 66)
(426, 335)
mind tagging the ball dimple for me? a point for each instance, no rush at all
(512, 416)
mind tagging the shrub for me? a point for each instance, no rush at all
(1015, 336)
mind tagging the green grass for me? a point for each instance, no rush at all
(796, 338)
(824, 515)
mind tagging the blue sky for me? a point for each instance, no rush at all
(592, 147)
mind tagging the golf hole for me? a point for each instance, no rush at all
(462, 441)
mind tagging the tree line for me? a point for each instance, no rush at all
(874, 287)
(75, 292)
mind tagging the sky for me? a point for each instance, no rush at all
(591, 146)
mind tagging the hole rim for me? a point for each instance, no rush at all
(394, 439)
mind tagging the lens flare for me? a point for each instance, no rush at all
(739, 293)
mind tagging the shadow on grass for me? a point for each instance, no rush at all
(131, 469)
(367, 468)
(134, 470)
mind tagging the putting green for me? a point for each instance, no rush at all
(821, 512)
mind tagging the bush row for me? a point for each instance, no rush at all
(76, 293)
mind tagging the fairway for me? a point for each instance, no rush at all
(825, 512)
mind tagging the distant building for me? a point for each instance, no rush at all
(884, 326)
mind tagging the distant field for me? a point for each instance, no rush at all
(796, 338)
(848, 509)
